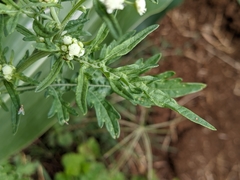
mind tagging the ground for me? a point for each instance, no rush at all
(200, 41)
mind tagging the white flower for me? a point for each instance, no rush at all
(141, 6)
(67, 40)
(74, 49)
(111, 5)
(8, 71)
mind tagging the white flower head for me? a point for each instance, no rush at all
(141, 6)
(74, 49)
(67, 40)
(8, 71)
(112, 5)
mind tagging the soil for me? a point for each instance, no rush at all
(200, 41)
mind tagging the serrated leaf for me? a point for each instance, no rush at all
(176, 88)
(57, 66)
(109, 19)
(81, 90)
(106, 113)
(129, 44)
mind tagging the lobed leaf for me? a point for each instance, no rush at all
(105, 113)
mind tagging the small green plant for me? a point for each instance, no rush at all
(82, 63)
(84, 165)
(20, 167)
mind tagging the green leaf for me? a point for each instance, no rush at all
(12, 23)
(74, 25)
(119, 88)
(14, 118)
(155, 1)
(57, 66)
(26, 79)
(24, 31)
(139, 67)
(57, 107)
(161, 99)
(3, 105)
(101, 35)
(81, 90)
(109, 19)
(105, 113)
(176, 88)
(43, 30)
(15, 105)
(50, 47)
(129, 44)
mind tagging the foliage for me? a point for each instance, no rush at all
(81, 64)
(19, 168)
(84, 164)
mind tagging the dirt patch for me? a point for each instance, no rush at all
(200, 42)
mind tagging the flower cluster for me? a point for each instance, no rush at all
(112, 5)
(7, 71)
(72, 47)
(141, 6)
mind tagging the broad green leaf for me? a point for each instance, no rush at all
(74, 25)
(105, 113)
(81, 90)
(57, 66)
(109, 19)
(161, 99)
(176, 88)
(129, 44)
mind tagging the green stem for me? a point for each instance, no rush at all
(67, 18)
